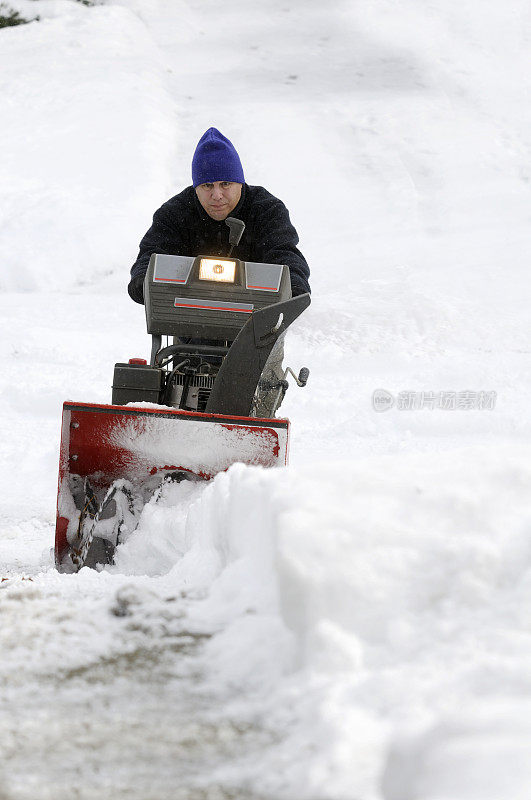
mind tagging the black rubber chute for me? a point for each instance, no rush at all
(240, 372)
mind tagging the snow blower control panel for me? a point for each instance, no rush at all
(209, 297)
(224, 316)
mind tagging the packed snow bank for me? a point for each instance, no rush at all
(358, 604)
(88, 144)
(481, 753)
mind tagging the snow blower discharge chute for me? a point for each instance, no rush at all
(188, 414)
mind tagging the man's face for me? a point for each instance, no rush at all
(219, 198)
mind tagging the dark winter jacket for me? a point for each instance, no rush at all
(182, 227)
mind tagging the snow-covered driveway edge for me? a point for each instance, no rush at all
(88, 146)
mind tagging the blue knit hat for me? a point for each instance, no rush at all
(215, 159)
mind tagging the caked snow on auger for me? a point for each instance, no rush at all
(188, 414)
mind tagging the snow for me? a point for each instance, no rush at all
(203, 447)
(353, 627)
(98, 106)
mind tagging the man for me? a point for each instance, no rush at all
(193, 223)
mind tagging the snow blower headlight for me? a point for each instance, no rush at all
(212, 269)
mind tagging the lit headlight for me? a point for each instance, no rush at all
(212, 269)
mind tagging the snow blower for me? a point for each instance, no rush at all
(187, 414)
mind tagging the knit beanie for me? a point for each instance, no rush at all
(215, 159)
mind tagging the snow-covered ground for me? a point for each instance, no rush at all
(353, 627)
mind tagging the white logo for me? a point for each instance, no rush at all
(382, 400)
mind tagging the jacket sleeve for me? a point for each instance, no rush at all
(277, 244)
(162, 237)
